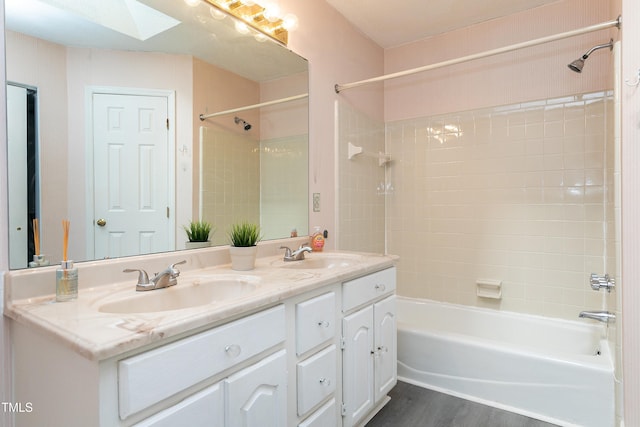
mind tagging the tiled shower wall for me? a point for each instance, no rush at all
(361, 182)
(230, 186)
(518, 194)
(284, 187)
(265, 182)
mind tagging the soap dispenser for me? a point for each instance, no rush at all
(317, 239)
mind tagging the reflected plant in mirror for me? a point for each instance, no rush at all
(198, 234)
(111, 137)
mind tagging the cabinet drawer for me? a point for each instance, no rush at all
(323, 417)
(363, 289)
(316, 379)
(203, 409)
(315, 322)
(148, 378)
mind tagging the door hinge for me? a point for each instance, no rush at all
(167, 124)
(343, 343)
(168, 212)
(344, 409)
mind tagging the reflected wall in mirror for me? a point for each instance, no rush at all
(118, 145)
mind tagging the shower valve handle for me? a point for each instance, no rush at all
(599, 282)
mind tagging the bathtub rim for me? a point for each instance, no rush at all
(604, 361)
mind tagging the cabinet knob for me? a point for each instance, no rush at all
(233, 350)
(381, 287)
(323, 323)
(325, 381)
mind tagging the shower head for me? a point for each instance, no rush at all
(246, 126)
(578, 64)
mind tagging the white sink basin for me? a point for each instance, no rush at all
(190, 293)
(324, 262)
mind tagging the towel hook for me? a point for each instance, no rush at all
(634, 84)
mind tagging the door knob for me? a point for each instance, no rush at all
(101, 222)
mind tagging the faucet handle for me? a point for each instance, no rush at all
(172, 268)
(287, 251)
(143, 277)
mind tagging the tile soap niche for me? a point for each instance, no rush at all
(487, 288)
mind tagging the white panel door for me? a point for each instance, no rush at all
(131, 179)
(385, 347)
(257, 396)
(17, 171)
(357, 365)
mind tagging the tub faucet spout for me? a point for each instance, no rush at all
(600, 316)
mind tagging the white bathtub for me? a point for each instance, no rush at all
(553, 370)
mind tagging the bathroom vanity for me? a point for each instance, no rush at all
(307, 343)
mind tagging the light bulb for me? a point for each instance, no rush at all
(271, 12)
(217, 14)
(260, 37)
(290, 22)
(242, 28)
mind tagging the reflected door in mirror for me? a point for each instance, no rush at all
(132, 187)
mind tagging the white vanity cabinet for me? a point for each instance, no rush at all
(150, 377)
(369, 344)
(322, 357)
(317, 362)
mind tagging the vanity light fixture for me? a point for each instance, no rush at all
(265, 19)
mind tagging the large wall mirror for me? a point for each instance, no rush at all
(104, 106)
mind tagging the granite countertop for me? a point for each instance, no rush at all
(97, 335)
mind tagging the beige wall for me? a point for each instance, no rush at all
(630, 177)
(535, 73)
(337, 53)
(43, 65)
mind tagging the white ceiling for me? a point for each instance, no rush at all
(168, 26)
(392, 23)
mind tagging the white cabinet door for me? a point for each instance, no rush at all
(357, 365)
(257, 396)
(385, 353)
(203, 409)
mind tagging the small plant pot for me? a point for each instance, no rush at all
(243, 258)
(197, 245)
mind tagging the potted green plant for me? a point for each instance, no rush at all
(244, 237)
(198, 234)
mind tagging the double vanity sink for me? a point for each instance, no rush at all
(212, 288)
(110, 317)
(269, 346)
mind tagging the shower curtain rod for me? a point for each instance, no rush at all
(251, 107)
(615, 23)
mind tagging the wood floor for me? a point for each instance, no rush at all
(413, 406)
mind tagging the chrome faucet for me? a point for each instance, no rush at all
(601, 316)
(167, 277)
(298, 254)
